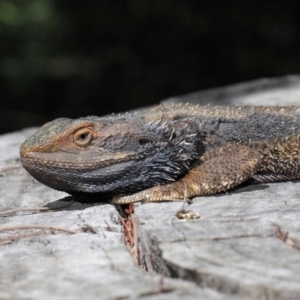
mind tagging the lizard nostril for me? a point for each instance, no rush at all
(144, 141)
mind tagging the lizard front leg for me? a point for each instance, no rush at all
(218, 171)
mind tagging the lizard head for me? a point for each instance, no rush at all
(117, 154)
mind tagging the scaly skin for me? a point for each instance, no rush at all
(169, 152)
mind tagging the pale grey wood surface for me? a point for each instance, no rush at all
(232, 252)
(88, 265)
(234, 246)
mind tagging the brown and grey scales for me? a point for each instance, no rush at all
(170, 152)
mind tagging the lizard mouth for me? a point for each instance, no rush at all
(73, 175)
(75, 161)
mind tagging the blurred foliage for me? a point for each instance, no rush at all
(74, 58)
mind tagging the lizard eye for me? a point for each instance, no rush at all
(83, 137)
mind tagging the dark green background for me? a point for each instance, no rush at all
(75, 58)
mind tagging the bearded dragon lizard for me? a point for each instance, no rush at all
(169, 152)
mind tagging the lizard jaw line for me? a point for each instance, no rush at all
(31, 161)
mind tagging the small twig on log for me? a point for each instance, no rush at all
(33, 209)
(285, 238)
(8, 168)
(109, 228)
(126, 228)
(12, 238)
(135, 250)
(15, 210)
(131, 235)
(34, 226)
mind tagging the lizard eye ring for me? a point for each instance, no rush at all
(83, 137)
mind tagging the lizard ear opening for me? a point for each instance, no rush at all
(143, 141)
(83, 137)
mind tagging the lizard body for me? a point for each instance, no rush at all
(169, 152)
